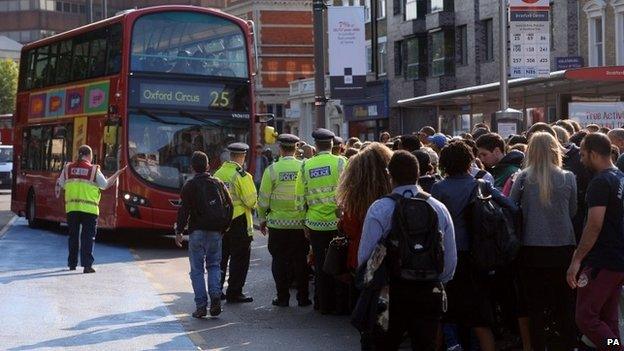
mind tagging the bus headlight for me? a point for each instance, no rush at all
(133, 199)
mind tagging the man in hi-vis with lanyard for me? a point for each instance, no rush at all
(83, 183)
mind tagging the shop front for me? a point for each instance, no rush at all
(367, 118)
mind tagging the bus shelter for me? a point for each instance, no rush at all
(587, 95)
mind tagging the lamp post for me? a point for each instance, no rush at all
(318, 6)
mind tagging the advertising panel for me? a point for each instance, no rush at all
(529, 36)
(347, 51)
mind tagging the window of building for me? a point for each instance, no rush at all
(462, 40)
(367, 10)
(381, 9)
(59, 6)
(437, 5)
(411, 10)
(398, 58)
(618, 8)
(437, 53)
(24, 5)
(397, 7)
(369, 56)
(66, 7)
(595, 12)
(74, 8)
(442, 52)
(412, 58)
(382, 56)
(489, 40)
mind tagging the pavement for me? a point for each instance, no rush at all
(141, 299)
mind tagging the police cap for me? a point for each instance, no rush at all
(288, 139)
(238, 148)
(338, 140)
(323, 134)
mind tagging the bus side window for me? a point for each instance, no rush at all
(113, 64)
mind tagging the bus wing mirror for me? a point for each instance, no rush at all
(264, 117)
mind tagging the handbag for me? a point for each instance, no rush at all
(336, 256)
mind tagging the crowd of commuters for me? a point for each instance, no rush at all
(560, 185)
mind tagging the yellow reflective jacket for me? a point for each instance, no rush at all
(319, 181)
(280, 201)
(242, 190)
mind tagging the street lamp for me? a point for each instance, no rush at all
(318, 6)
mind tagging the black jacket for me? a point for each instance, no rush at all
(572, 163)
(193, 193)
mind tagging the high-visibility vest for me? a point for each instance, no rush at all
(242, 189)
(280, 201)
(319, 179)
(82, 193)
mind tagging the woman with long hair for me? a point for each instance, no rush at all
(547, 195)
(363, 181)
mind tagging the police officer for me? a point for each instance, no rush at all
(83, 183)
(319, 180)
(280, 208)
(237, 240)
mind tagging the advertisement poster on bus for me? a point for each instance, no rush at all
(604, 114)
(88, 99)
(347, 51)
(529, 35)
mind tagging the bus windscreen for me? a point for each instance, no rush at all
(188, 43)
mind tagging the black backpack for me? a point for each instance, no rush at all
(493, 231)
(415, 248)
(212, 211)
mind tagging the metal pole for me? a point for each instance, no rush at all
(374, 39)
(502, 35)
(318, 6)
(104, 9)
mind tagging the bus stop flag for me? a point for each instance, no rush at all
(529, 35)
(347, 51)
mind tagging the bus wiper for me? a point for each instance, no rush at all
(195, 118)
(156, 118)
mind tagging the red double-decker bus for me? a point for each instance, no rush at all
(144, 89)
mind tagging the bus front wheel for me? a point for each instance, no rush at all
(31, 213)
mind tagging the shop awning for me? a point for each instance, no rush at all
(523, 92)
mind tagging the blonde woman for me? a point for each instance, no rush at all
(547, 195)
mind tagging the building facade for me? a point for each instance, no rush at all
(601, 31)
(440, 45)
(284, 37)
(29, 20)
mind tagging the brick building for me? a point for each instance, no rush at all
(30, 20)
(285, 49)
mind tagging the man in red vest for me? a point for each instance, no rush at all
(83, 183)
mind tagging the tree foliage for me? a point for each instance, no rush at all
(8, 85)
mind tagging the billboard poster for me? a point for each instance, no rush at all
(347, 51)
(529, 37)
(85, 99)
(604, 114)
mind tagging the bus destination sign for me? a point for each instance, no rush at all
(223, 97)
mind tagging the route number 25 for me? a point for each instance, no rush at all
(220, 99)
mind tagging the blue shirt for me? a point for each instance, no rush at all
(455, 192)
(378, 223)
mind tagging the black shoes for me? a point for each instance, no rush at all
(88, 270)
(280, 303)
(239, 299)
(201, 312)
(72, 268)
(305, 303)
(215, 308)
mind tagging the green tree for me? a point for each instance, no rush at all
(8, 85)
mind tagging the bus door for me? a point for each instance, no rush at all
(103, 138)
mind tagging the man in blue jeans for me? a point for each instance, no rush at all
(205, 212)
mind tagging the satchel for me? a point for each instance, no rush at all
(336, 256)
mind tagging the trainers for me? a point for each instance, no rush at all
(88, 270)
(200, 312)
(215, 307)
